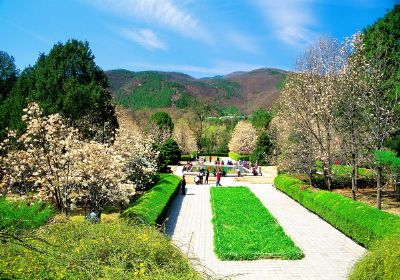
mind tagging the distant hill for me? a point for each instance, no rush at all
(238, 91)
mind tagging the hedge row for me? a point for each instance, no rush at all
(357, 220)
(236, 156)
(15, 216)
(150, 208)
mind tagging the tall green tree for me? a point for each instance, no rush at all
(163, 121)
(8, 74)
(260, 119)
(382, 43)
(262, 149)
(65, 81)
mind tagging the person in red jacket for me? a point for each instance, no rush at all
(218, 180)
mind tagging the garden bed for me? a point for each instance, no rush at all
(245, 230)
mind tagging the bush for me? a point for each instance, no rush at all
(112, 250)
(236, 156)
(262, 149)
(382, 262)
(357, 220)
(16, 216)
(169, 154)
(150, 208)
(187, 157)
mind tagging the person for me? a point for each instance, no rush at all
(201, 175)
(210, 159)
(207, 175)
(238, 172)
(218, 179)
(183, 185)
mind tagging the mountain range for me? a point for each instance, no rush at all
(237, 92)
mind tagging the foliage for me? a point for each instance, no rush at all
(162, 120)
(261, 119)
(170, 153)
(150, 207)
(382, 261)
(69, 170)
(112, 250)
(66, 81)
(236, 156)
(185, 137)
(8, 74)
(243, 139)
(152, 90)
(16, 216)
(229, 87)
(245, 230)
(357, 220)
(262, 149)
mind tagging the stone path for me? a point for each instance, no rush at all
(328, 253)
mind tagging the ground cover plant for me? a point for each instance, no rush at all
(245, 230)
(357, 220)
(108, 250)
(151, 207)
(16, 216)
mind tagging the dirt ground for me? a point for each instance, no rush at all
(368, 196)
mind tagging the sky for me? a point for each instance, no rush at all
(201, 38)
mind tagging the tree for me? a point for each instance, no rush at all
(262, 149)
(66, 81)
(69, 169)
(350, 120)
(169, 154)
(201, 110)
(261, 119)
(185, 137)
(244, 138)
(382, 43)
(163, 121)
(307, 102)
(8, 74)
(160, 127)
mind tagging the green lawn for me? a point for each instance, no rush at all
(245, 230)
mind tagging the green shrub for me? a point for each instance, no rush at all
(236, 156)
(245, 230)
(382, 262)
(357, 220)
(170, 153)
(78, 250)
(15, 216)
(262, 149)
(150, 207)
(186, 157)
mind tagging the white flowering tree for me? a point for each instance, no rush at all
(244, 138)
(67, 170)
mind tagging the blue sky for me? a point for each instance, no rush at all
(198, 37)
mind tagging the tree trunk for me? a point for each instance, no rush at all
(379, 187)
(327, 175)
(353, 176)
(397, 188)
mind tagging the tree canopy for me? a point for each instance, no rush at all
(8, 74)
(65, 81)
(261, 119)
(163, 121)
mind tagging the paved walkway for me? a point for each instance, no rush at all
(328, 253)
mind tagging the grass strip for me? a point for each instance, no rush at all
(150, 207)
(355, 219)
(245, 230)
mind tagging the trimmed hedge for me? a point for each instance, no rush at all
(15, 216)
(357, 220)
(382, 262)
(187, 157)
(236, 156)
(150, 208)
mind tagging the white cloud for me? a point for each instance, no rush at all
(163, 12)
(290, 19)
(144, 37)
